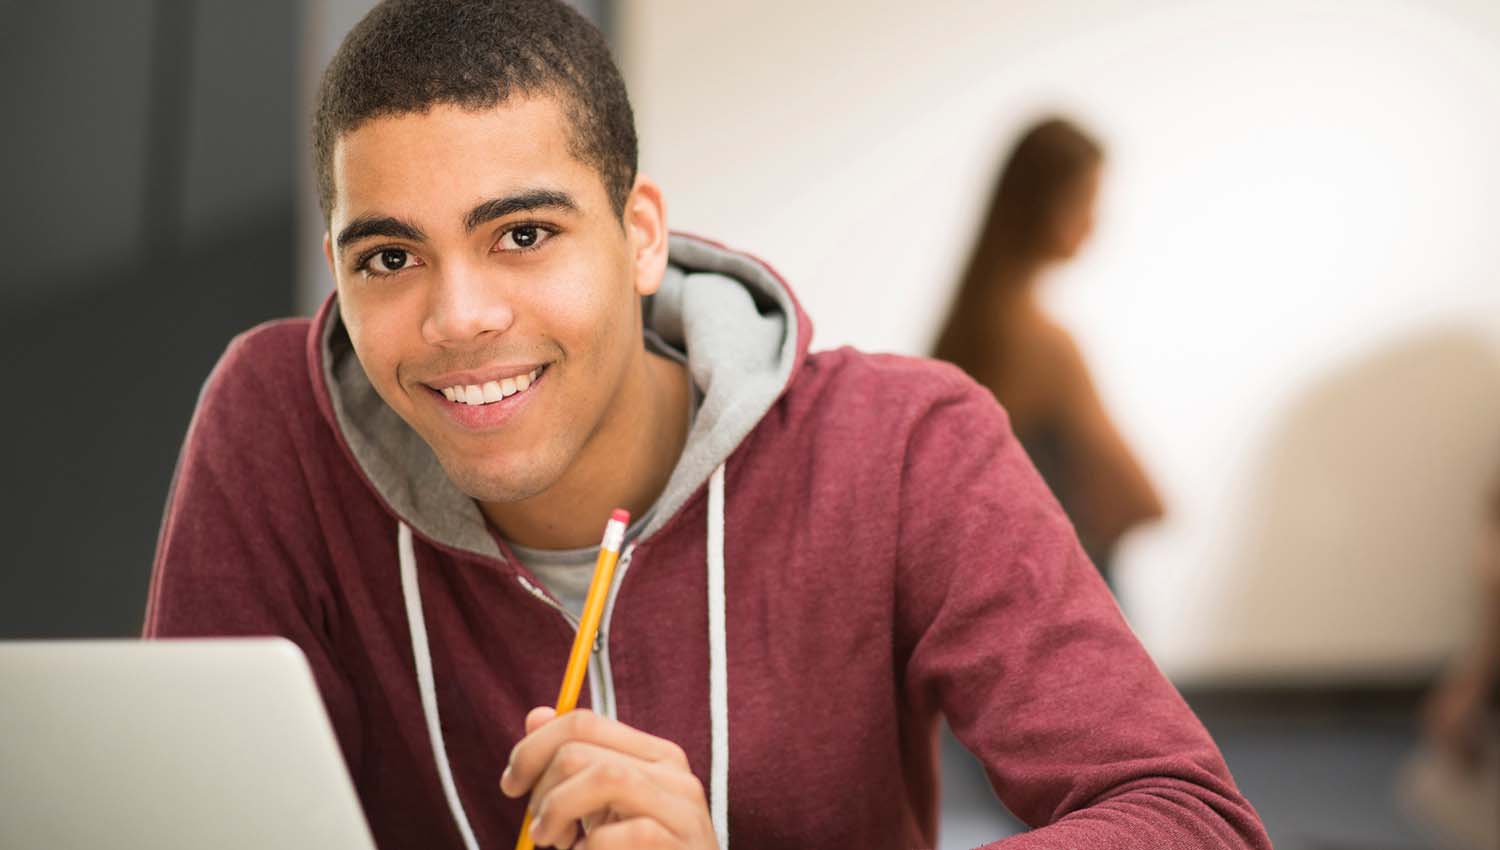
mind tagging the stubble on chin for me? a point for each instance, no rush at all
(492, 486)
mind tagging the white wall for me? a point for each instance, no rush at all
(1292, 303)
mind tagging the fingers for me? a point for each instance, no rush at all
(547, 733)
(538, 717)
(576, 757)
(634, 834)
(586, 781)
(612, 788)
(581, 767)
(573, 758)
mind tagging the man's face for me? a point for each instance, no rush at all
(488, 286)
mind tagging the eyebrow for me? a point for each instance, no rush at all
(379, 225)
(535, 199)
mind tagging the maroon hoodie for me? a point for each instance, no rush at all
(851, 545)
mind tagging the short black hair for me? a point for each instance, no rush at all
(410, 55)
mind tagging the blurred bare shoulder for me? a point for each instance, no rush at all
(1044, 368)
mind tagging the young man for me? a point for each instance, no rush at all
(830, 549)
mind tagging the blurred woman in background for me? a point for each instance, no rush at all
(1041, 214)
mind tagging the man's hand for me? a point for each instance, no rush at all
(627, 788)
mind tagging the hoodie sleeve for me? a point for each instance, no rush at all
(239, 553)
(1011, 633)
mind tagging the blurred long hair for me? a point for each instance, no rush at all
(1018, 234)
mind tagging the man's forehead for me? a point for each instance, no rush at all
(448, 155)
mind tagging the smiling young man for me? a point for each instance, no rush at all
(831, 549)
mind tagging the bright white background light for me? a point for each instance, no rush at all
(1292, 304)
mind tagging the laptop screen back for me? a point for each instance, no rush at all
(220, 743)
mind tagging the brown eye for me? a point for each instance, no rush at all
(524, 237)
(383, 262)
(392, 259)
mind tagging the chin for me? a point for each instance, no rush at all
(509, 484)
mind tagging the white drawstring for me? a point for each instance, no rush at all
(423, 656)
(718, 670)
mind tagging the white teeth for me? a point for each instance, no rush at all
(490, 391)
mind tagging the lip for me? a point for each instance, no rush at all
(486, 417)
(480, 377)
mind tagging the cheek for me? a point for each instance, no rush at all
(380, 328)
(587, 311)
(1071, 228)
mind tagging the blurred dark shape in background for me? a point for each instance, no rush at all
(1461, 712)
(150, 163)
(1040, 215)
(1453, 781)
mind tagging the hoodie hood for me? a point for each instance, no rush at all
(734, 319)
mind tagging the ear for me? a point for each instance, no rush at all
(646, 232)
(328, 255)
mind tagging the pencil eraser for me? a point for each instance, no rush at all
(621, 515)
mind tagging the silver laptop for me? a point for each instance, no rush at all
(169, 744)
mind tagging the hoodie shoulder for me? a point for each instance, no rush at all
(273, 355)
(262, 377)
(887, 387)
(865, 411)
(277, 344)
(907, 370)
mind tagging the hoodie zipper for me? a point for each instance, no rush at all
(601, 684)
(601, 647)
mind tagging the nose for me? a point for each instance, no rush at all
(464, 306)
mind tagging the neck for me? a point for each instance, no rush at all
(1021, 271)
(1012, 287)
(626, 464)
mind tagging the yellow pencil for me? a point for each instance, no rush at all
(588, 629)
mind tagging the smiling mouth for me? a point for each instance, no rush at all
(478, 395)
